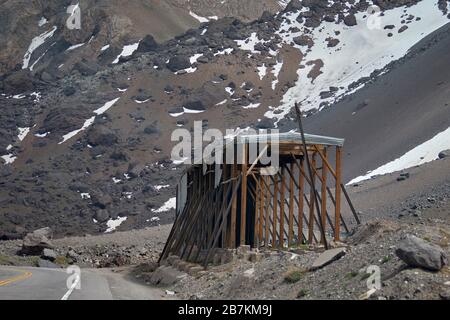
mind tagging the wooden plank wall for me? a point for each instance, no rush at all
(284, 212)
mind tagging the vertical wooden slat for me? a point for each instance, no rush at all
(324, 191)
(256, 214)
(267, 220)
(291, 208)
(261, 209)
(311, 202)
(275, 211)
(337, 213)
(243, 194)
(282, 198)
(224, 200)
(301, 183)
(233, 208)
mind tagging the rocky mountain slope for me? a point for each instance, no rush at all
(87, 114)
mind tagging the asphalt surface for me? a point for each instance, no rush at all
(23, 283)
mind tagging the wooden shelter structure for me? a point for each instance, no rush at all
(249, 203)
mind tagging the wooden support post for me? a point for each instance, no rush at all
(282, 198)
(324, 191)
(261, 209)
(244, 194)
(311, 201)
(224, 200)
(301, 191)
(267, 220)
(256, 214)
(233, 209)
(337, 224)
(291, 209)
(275, 211)
(305, 152)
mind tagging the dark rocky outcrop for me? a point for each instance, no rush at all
(178, 63)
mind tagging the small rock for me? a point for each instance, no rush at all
(444, 154)
(47, 264)
(328, 257)
(49, 254)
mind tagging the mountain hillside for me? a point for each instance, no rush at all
(87, 114)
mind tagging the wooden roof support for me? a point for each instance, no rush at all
(275, 211)
(244, 194)
(313, 188)
(301, 192)
(217, 228)
(337, 213)
(282, 206)
(234, 174)
(291, 209)
(261, 210)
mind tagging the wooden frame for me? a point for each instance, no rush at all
(250, 208)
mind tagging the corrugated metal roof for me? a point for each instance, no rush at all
(293, 137)
(286, 137)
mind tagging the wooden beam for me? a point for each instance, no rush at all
(267, 222)
(301, 192)
(219, 226)
(261, 208)
(324, 191)
(275, 211)
(243, 194)
(283, 199)
(291, 209)
(337, 213)
(256, 214)
(311, 202)
(233, 209)
(257, 159)
(224, 200)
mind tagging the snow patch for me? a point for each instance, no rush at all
(262, 71)
(72, 134)
(360, 52)
(424, 153)
(75, 46)
(276, 72)
(127, 51)
(113, 224)
(9, 158)
(36, 43)
(43, 21)
(106, 106)
(23, 132)
(168, 205)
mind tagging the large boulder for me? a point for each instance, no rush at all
(350, 20)
(101, 200)
(35, 242)
(102, 136)
(147, 44)
(178, 63)
(417, 253)
(303, 40)
(19, 82)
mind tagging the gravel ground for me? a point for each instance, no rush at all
(108, 250)
(373, 244)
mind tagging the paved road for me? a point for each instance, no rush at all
(23, 283)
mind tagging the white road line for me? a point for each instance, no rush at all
(68, 293)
